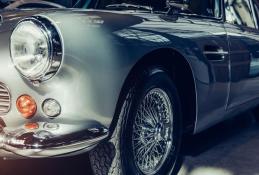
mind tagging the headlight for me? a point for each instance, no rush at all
(36, 49)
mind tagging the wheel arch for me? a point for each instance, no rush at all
(180, 72)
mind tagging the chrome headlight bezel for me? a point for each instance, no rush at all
(55, 48)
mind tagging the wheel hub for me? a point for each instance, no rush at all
(158, 132)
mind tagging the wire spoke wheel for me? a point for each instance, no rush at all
(147, 139)
(152, 136)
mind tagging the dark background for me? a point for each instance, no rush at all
(77, 165)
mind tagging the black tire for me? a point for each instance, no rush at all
(116, 157)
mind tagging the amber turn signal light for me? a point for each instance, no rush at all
(27, 106)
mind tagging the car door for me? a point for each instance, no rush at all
(208, 39)
(243, 36)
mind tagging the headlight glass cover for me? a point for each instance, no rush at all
(36, 49)
(30, 50)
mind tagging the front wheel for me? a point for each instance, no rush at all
(147, 140)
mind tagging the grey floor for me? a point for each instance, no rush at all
(231, 148)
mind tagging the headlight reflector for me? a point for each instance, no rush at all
(30, 50)
(36, 48)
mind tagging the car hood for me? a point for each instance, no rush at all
(9, 18)
(12, 15)
(110, 20)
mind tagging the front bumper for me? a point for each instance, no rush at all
(51, 139)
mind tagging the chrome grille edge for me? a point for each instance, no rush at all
(5, 99)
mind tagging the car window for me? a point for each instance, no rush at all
(209, 8)
(239, 12)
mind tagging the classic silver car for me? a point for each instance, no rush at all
(124, 80)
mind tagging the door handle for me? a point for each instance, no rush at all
(215, 53)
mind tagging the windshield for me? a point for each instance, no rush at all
(209, 8)
(160, 5)
(199, 7)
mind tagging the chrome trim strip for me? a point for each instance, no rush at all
(87, 145)
(216, 52)
(219, 52)
(41, 142)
